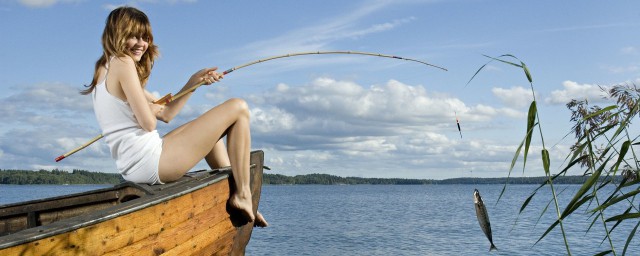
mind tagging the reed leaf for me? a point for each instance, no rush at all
(544, 210)
(593, 221)
(545, 161)
(623, 152)
(526, 72)
(627, 184)
(478, 71)
(571, 164)
(515, 156)
(504, 61)
(547, 207)
(577, 201)
(513, 163)
(616, 200)
(548, 230)
(628, 210)
(531, 118)
(631, 234)
(603, 253)
(599, 112)
(624, 216)
(526, 202)
(524, 205)
(573, 207)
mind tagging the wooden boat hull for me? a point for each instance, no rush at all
(186, 217)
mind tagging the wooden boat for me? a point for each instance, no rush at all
(186, 217)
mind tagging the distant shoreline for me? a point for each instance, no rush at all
(58, 177)
(82, 177)
(326, 179)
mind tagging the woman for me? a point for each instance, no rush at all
(128, 117)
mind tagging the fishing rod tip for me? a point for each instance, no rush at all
(59, 158)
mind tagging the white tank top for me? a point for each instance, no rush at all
(129, 144)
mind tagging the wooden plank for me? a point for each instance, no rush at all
(202, 240)
(150, 223)
(13, 224)
(39, 212)
(59, 203)
(179, 233)
(222, 246)
(45, 218)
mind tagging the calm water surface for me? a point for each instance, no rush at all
(418, 220)
(400, 220)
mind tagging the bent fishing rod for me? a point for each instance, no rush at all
(169, 98)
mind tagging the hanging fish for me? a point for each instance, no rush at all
(458, 123)
(483, 218)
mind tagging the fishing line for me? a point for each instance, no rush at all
(169, 98)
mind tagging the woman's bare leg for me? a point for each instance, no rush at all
(218, 158)
(186, 146)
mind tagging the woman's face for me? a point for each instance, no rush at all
(137, 46)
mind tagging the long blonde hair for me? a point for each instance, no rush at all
(123, 23)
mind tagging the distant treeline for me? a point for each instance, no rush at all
(22, 177)
(326, 179)
(59, 177)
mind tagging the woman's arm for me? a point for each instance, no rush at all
(207, 75)
(124, 71)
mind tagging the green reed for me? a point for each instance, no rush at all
(603, 149)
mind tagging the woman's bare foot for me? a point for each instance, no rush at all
(243, 204)
(260, 221)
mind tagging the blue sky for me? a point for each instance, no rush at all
(345, 115)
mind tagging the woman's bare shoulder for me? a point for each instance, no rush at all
(122, 62)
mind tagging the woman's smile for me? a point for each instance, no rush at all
(137, 47)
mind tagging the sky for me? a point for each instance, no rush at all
(345, 115)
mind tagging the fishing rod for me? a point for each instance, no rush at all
(169, 98)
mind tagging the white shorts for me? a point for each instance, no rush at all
(148, 171)
(142, 159)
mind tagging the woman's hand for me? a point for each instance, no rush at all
(157, 109)
(206, 76)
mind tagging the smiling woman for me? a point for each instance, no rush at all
(128, 114)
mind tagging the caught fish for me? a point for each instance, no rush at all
(483, 218)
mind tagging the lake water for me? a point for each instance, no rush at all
(402, 220)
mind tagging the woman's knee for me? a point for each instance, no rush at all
(239, 105)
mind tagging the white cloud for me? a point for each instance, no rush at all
(45, 3)
(332, 125)
(515, 97)
(573, 90)
(629, 50)
(349, 102)
(43, 121)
